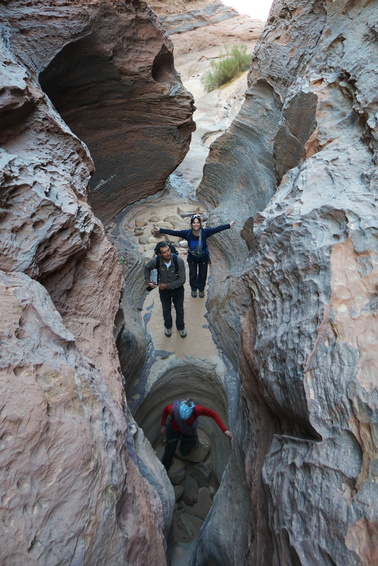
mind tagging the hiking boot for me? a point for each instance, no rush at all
(183, 333)
(194, 294)
(201, 294)
(168, 331)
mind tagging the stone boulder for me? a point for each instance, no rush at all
(203, 504)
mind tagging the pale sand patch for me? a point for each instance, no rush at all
(198, 343)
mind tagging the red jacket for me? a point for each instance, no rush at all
(197, 412)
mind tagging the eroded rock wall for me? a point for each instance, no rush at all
(79, 484)
(298, 166)
(114, 83)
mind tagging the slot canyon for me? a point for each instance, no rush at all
(104, 134)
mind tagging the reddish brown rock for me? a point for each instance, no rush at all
(108, 69)
(71, 460)
(71, 487)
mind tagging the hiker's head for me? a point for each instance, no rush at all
(186, 408)
(196, 222)
(163, 250)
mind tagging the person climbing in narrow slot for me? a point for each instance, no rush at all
(171, 278)
(198, 251)
(182, 427)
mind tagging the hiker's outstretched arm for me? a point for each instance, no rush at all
(180, 233)
(210, 231)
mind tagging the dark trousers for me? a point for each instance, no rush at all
(176, 296)
(197, 274)
(172, 438)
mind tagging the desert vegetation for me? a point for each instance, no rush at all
(231, 65)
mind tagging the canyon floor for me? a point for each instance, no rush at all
(214, 113)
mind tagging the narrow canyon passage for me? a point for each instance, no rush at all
(179, 368)
(98, 117)
(172, 367)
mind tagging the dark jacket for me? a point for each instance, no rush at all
(193, 240)
(167, 276)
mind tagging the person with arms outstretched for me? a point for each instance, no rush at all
(198, 252)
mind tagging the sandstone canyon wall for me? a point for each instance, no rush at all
(292, 297)
(114, 83)
(298, 166)
(79, 485)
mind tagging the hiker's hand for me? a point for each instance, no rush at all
(162, 430)
(163, 286)
(152, 285)
(228, 433)
(233, 223)
(155, 230)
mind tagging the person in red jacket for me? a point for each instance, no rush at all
(182, 427)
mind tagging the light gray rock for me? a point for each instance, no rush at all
(190, 494)
(144, 239)
(187, 527)
(298, 166)
(177, 476)
(203, 505)
(202, 473)
(179, 490)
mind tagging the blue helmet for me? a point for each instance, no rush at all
(186, 409)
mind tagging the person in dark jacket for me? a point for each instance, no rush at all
(198, 252)
(182, 427)
(171, 286)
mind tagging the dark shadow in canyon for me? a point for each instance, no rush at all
(195, 478)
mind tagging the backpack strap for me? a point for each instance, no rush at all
(175, 261)
(200, 251)
(158, 268)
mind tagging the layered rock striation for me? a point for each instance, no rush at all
(113, 81)
(299, 166)
(292, 296)
(79, 482)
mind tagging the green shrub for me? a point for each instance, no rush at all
(232, 64)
